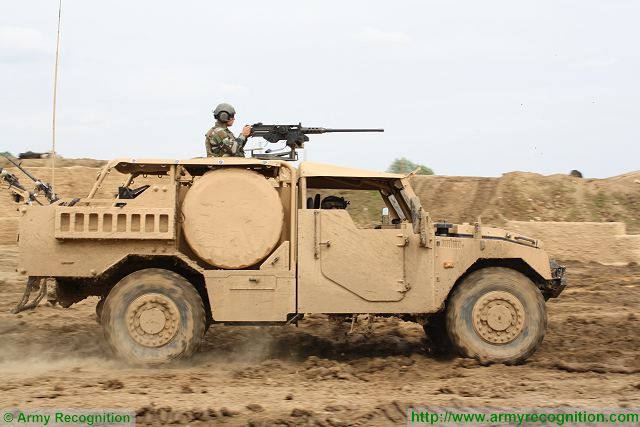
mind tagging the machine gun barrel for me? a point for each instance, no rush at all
(294, 136)
(329, 130)
(11, 179)
(19, 192)
(40, 185)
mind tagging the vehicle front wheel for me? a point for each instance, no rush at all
(153, 316)
(496, 315)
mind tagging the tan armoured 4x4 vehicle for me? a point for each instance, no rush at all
(185, 244)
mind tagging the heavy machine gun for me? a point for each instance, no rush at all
(294, 137)
(11, 179)
(19, 190)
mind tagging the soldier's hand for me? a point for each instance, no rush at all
(246, 130)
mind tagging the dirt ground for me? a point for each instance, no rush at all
(316, 375)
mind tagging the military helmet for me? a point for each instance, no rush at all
(334, 202)
(224, 112)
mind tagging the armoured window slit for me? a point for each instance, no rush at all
(135, 223)
(121, 223)
(93, 222)
(149, 223)
(98, 224)
(107, 223)
(78, 223)
(65, 222)
(164, 223)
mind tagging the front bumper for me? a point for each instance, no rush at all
(558, 282)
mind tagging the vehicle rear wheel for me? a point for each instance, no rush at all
(153, 316)
(496, 315)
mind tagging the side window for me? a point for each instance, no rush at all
(124, 186)
(364, 206)
(364, 198)
(134, 186)
(109, 188)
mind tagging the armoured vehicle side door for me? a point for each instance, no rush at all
(346, 268)
(367, 262)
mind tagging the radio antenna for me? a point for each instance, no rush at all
(55, 94)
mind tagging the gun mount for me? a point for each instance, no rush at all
(19, 190)
(294, 136)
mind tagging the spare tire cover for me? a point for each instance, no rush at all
(233, 218)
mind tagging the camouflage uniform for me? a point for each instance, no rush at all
(221, 142)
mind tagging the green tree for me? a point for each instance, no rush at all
(6, 153)
(403, 165)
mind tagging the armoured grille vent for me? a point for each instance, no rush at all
(451, 244)
(113, 223)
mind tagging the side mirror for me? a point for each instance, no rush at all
(385, 216)
(421, 222)
(416, 214)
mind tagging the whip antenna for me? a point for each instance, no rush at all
(55, 93)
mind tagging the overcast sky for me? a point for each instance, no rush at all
(465, 87)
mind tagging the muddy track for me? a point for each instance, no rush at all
(315, 374)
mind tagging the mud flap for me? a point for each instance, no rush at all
(556, 285)
(33, 284)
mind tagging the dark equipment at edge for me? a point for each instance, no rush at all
(42, 186)
(32, 155)
(294, 136)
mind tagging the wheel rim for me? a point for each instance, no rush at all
(498, 317)
(152, 320)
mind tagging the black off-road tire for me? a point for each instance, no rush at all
(460, 323)
(189, 320)
(99, 307)
(435, 329)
